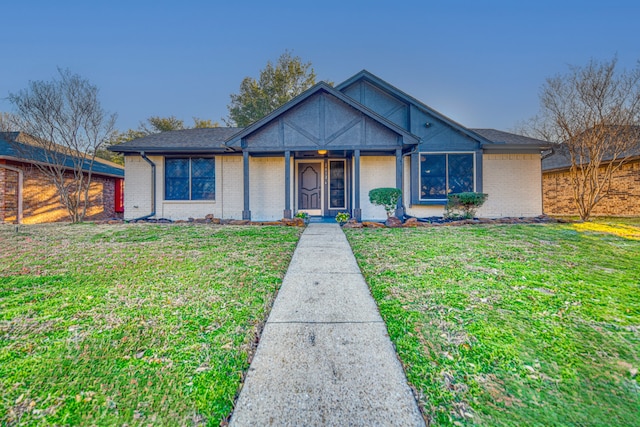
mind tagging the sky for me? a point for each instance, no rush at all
(480, 62)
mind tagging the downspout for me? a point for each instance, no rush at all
(20, 184)
(551, 152)
(153, 188)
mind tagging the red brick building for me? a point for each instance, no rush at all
(27, 196)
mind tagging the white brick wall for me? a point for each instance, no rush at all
(266, 179)
(230, 186)
(137, 193)
(514, 185)
(375, 172)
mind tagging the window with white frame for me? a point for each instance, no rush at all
(189, 178)
(446, 173)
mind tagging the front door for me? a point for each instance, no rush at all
(310, 188)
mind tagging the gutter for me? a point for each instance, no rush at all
(153, 188)
(548, 154)
(20, 184)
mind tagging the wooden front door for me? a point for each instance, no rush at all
(310, 188)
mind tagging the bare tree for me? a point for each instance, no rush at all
(592, 114)
(65, 126)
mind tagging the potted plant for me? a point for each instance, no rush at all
(304, 216)
(342, 218)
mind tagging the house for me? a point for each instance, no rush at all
(27, 195)
(322, 153)
(623, 198)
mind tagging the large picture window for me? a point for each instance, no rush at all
(189, 178)
(445, 173)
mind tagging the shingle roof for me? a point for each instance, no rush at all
(184, 141)
(562, 160)
(501, 137)
(11, 149)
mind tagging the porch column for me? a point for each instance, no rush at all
(357, 212)
(400, 205)
(287, 184)
(246, 213)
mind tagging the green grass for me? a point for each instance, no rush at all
(513, 325)
(132, 324)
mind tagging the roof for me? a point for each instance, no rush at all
(323, 87)
(12, 149)
(183, 141)
(561, 159)
(511, 139)
(226, 139)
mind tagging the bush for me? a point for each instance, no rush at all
(342, 217)
(386, 197)
(464, 205)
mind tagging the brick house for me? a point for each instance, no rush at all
(623, 198)
(27, 196)
(322, 152)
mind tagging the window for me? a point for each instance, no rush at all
(337, 198)
(446, 173)
(189, 178)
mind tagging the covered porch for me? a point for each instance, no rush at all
(324, 182)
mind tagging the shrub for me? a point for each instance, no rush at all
(464, 205)
(385, 197)
(342, 217)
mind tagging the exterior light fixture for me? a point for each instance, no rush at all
(322, 152)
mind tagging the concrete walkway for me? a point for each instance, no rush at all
(324, 357)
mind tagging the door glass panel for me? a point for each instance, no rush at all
(336, 184)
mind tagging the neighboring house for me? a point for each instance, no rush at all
(27, 195)
(623, 198)
(323, 152)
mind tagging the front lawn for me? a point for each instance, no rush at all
(132, 324)
(513, 325)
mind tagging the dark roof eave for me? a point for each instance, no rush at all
(93, 171)
(515, 147)
(172, 150)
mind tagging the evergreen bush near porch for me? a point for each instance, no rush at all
(464, 205)
(385, 197)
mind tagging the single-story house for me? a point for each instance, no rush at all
(322, 153)
(623, 198)
(28, 196)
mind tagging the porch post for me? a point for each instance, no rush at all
(357, 212)
(287, 184)
(400, 206)
(246, 213)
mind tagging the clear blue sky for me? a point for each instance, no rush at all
(481, 63)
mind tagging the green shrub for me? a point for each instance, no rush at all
(386, 197)
(342, 217)
(464, 205)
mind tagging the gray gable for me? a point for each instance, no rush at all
(376, 99)
(183, 141)
(322, 117)
(400, 107)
